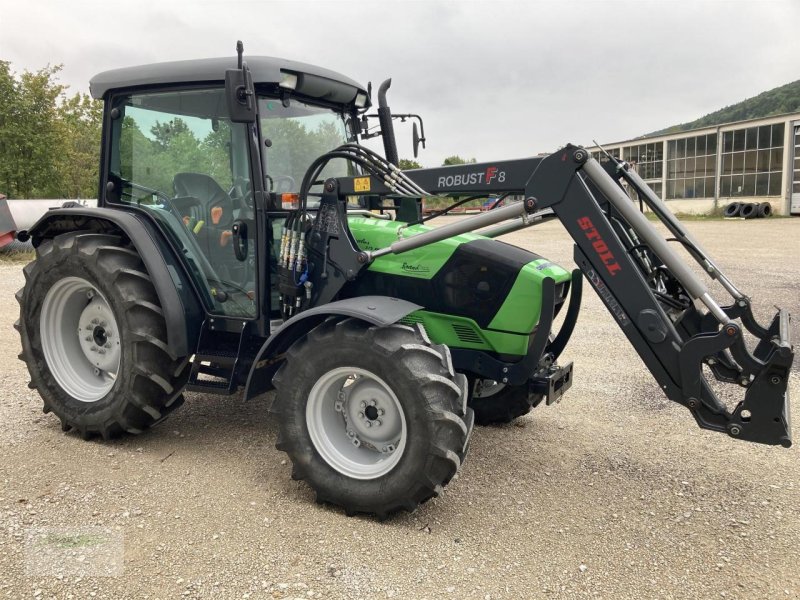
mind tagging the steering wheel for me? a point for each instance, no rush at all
(283, 184)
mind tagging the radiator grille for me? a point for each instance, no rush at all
(467, 334)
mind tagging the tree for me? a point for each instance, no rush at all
(166, 133)
(78, 163)
(457, 160)
(29, 132)
(49, 143)
(406, 163)
(296, 143)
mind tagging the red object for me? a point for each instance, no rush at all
(7, 238)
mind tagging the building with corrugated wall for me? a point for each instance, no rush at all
(703, 169)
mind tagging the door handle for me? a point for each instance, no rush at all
(239, 230)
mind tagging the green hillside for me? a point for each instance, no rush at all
(783, 99)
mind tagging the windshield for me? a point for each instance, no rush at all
(296, 135)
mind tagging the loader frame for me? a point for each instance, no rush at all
(676, 330)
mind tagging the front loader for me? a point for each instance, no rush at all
(245, 239)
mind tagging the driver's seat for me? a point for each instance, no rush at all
(217, 204)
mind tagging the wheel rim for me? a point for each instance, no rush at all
(80, 339)
(356, 423)
(485, 388)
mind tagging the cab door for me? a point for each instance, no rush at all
(177, 156)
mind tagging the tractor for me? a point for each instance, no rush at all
(244, 240)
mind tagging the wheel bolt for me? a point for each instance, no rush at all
(381, 412)
(363, 405)
(378, 422)
(361, 415)
(372, 402)
(368, 423)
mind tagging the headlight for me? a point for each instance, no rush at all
(288, 81)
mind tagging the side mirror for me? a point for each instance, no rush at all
(415, 135)
(239, 91)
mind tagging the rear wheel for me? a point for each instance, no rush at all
(495, 402)
(373, 418)
(94, 337)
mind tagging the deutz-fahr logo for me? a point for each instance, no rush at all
(491, 174)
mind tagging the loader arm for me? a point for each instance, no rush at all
(664, 308)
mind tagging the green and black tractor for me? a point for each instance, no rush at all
(245, 239)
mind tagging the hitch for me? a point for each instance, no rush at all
(552, 385)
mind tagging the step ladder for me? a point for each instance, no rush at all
(217, 359)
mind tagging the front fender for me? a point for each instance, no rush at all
(183, 312)
(377, 310)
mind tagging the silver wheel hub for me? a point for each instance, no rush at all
(356, 423)
(80, 339)
(485, 388)
(99, 341)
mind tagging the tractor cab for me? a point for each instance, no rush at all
(172, 150)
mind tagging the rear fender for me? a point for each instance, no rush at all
(182, 310)
(376, 310)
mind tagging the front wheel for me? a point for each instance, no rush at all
(373, 418)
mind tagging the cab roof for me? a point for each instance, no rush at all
(312, 81)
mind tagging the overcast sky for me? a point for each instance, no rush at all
(492, 79)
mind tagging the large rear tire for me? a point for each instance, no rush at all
(94, 337)
(373, 418)
(496, 403)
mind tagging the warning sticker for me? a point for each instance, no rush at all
(361, 184)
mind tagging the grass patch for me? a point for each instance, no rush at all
(683, 216)
(81, 540)
(16, 257)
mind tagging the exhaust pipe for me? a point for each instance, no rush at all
(387, 128)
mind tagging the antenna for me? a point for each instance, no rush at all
(239, 52)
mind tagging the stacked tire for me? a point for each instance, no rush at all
(748, 210)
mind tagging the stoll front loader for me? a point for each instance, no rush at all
(244, 239)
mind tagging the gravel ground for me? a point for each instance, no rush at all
(613, 493)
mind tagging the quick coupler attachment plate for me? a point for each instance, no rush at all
(553, 385)
(764, 416)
